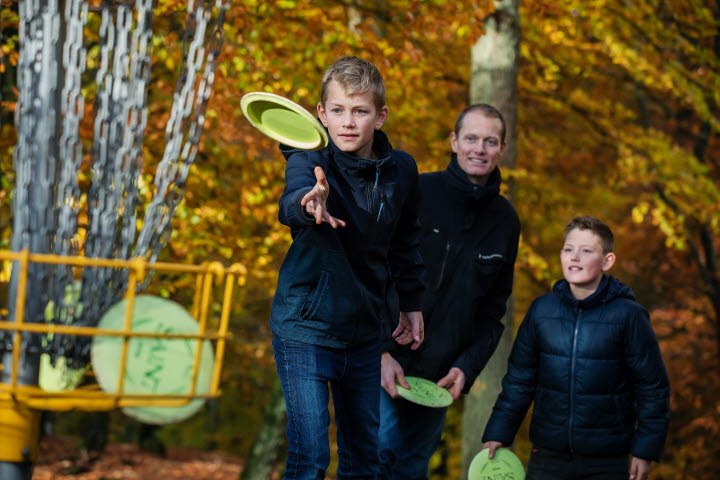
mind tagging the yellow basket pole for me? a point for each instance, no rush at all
(19, 425)
(223, 329)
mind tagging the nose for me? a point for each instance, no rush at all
(348, 121)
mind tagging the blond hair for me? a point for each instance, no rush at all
(354, 75)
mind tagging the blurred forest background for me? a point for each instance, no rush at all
(618, 117)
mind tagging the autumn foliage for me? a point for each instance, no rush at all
(618, 117)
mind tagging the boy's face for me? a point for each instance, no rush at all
(583, 262)
(351, 120)
(478, 145)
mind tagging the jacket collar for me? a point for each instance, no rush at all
(466, 190)
(363, 166)
(608, 289)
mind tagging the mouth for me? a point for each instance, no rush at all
(348, 136)
(480, 161)
(574, 269)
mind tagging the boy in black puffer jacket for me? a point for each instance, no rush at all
(587, 355)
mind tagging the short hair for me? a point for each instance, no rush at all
(355, 75)
(487, 110)
(586, 222)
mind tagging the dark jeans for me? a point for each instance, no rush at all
(353, 375)
(409, 435)
(551, 465)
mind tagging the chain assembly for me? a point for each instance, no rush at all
(49, 156)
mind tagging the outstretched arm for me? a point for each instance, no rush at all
(315, 201)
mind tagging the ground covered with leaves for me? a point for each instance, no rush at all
(60, 459)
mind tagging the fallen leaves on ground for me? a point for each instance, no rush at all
(60, 459)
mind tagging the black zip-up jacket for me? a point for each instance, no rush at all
(337, 286)
(594, 370)
(469, 245)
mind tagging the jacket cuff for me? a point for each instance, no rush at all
(299, 209)
(411, 301)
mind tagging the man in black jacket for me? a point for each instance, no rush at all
(469, 244)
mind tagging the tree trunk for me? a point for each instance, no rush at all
(494, 81)
(270, 438)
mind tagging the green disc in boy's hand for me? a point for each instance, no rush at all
(504, 465)
(284, 120)
(424, 392)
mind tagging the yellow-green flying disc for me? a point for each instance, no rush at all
(284, 120)
(503, 466)
(155, 366)
(424, 392)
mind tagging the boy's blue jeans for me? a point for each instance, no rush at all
(354, 377)
(409, 435)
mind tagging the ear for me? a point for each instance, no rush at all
(381, 117)
(453, 142)
(608, 262)
(503, 147)
(321, 113)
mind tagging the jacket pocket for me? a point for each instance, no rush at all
(315, 297)
(487, 266)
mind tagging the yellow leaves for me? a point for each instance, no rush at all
(639, 211)
(286, 4)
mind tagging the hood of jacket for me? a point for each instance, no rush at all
(609, 289)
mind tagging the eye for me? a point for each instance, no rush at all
(491, 141)
(360, 111)
(336, 110)
(586, 250)
(471, 139)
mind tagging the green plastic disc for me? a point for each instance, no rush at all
(424, 392)
(58, 377)
(503, 466)
(283, 120)
(154, 365)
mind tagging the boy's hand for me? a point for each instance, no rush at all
(410, 328)
(315, 201)
(492, 445)
(454, 382)
(390, 372)
(639, 469)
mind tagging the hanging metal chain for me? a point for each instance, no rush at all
(184, 127)
(67, 196)
(35, 155)
(121, 117)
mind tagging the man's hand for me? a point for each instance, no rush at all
(389, 373)
(492, 445)
(639, 469)
(315, 201)
(410, 328)
(453, 382)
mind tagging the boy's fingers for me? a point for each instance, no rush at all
(400, 378)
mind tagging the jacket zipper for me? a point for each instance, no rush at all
(444, 263)
(374, 190)
(572, 379)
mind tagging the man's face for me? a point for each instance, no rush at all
(583, 261)
(351, 119)
(478, 145)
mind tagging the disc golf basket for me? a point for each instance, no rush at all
(61, 279)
